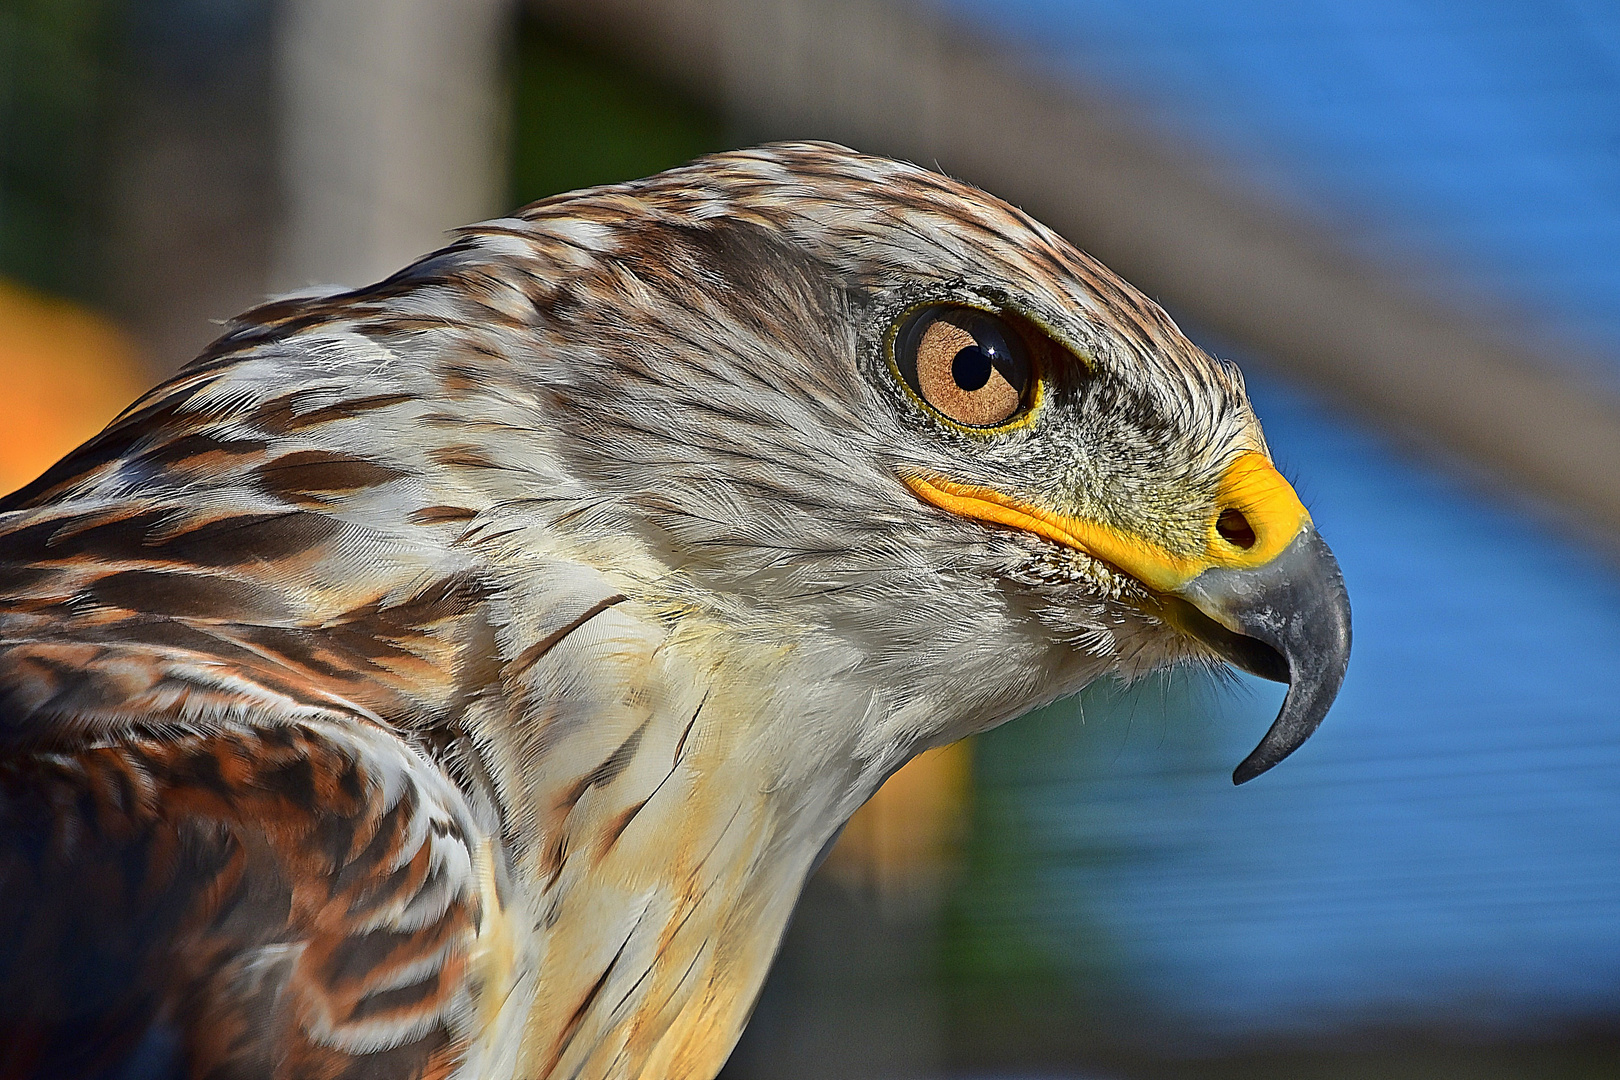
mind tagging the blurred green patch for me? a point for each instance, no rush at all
(1028, 975)
(56, 82)
(580, 118)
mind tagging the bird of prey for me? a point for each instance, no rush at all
(458, 677)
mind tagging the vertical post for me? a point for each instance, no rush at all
(392, 131)
(189, 191)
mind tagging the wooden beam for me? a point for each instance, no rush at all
(890, 78)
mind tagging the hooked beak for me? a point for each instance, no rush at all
(1269, 598)
(1288, 621)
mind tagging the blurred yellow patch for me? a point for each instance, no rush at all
(64, 372)
(904, 842)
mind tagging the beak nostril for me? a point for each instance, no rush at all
(1235, 528)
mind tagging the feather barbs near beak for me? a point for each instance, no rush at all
(1265, 594)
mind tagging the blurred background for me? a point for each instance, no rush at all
(1401, 216)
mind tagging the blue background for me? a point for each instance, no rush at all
(1445, 850)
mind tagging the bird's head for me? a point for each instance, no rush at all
(848, 407)
(851, 392)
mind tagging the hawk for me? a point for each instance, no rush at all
(458, 677)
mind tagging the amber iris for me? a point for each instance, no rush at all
(968, 365)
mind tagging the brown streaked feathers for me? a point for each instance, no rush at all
(457, 677)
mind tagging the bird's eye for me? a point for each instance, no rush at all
(969, 365)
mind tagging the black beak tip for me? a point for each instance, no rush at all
(1307, 703)
(1299, 608)
(1250, 767)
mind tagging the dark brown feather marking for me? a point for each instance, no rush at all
(534, 653)
(610, 835)
(605, 773)
(198, 596)
(462, 457)
(246, 538)
(615, 828)
(283, 415)
(319, 476)
(399, 999)
(101, 538)
(438, 515)
(203, 451)
(357, 958)
(17, 582)
(584, 1006)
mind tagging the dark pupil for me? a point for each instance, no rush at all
(971, 368)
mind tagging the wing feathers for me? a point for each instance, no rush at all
(293, 901)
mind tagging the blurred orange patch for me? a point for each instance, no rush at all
(903, 843)
(64, 372)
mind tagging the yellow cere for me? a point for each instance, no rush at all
(1250, 485)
